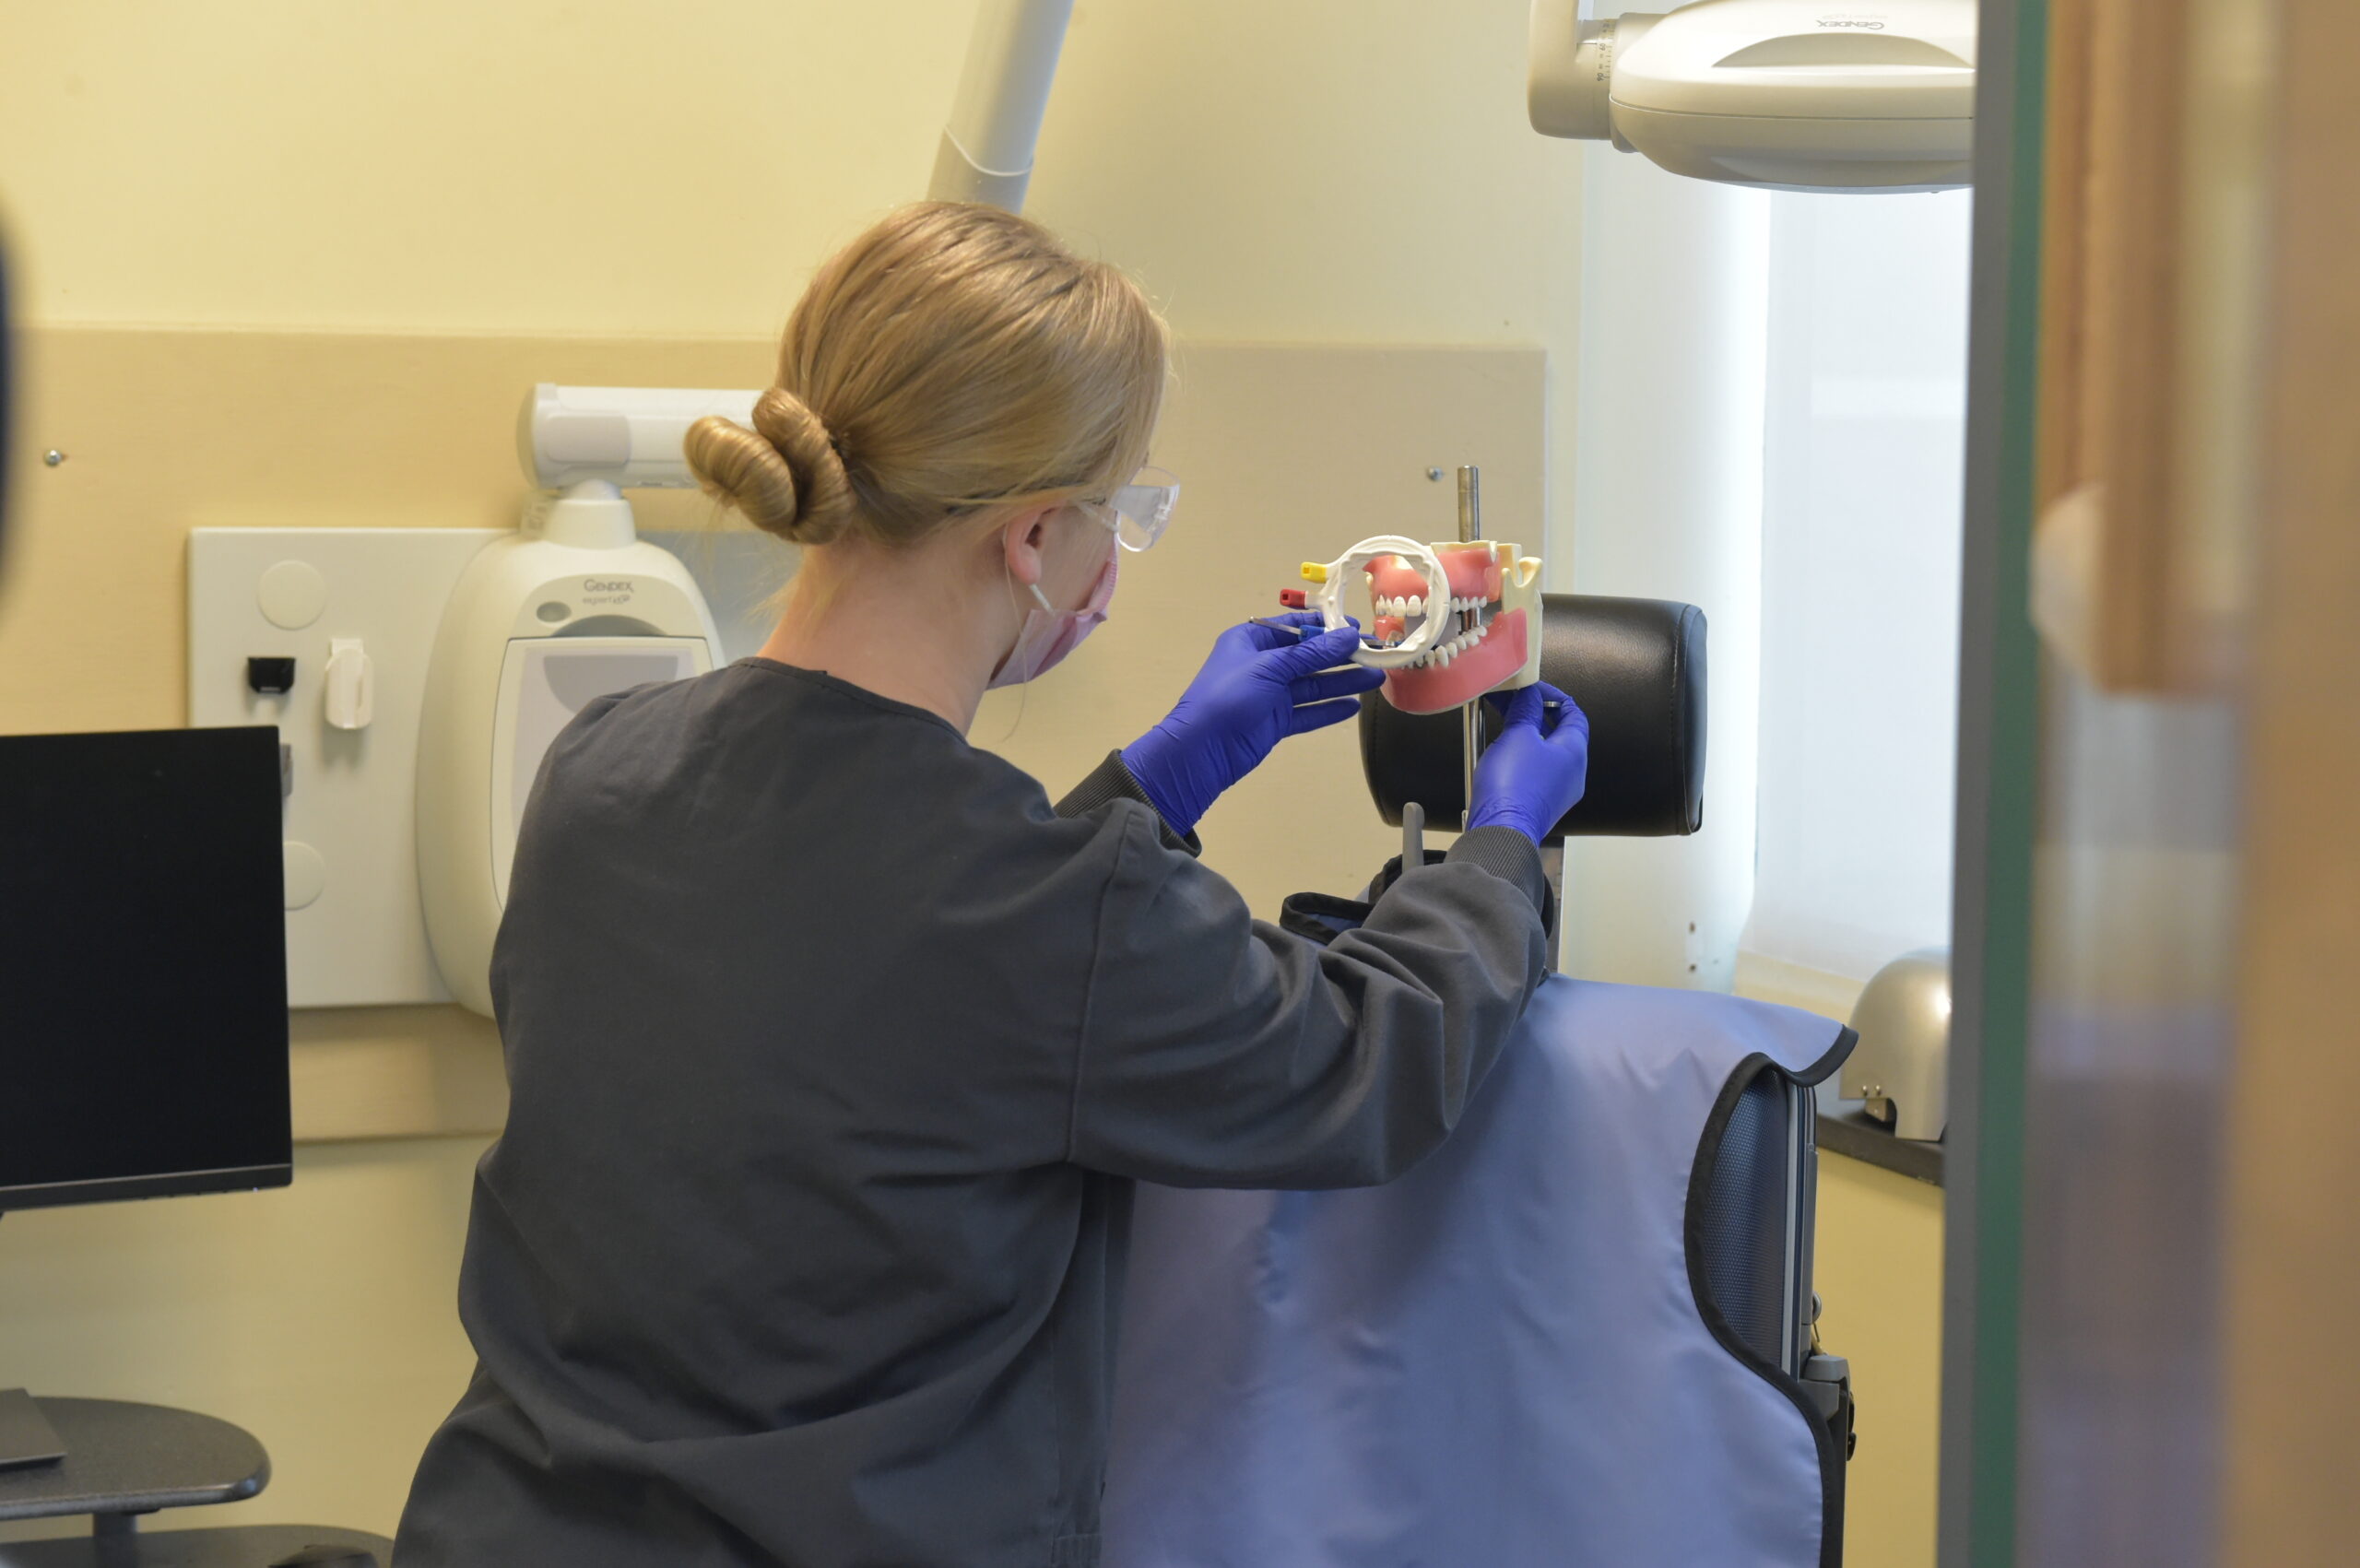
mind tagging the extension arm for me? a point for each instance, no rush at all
(987, 153)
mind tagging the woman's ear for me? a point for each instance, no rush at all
(1024, 538)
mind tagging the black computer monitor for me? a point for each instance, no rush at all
(143, 966)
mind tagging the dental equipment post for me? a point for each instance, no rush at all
(1470, 531)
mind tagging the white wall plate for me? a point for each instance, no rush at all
(361, 941)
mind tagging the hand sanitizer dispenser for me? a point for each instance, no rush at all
(572, 606)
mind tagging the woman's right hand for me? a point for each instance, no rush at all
(1264, 681)
(1535, 772)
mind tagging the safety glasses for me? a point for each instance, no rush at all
(1141, 510)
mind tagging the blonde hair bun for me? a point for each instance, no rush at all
(784, 475)
(952, 359)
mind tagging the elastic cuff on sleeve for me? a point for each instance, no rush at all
(1110, 780)
(1507, 854)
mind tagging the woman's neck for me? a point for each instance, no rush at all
(904, 625)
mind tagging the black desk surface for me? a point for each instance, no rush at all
(1844, 1128)
(250, 1546)
(127, 1459)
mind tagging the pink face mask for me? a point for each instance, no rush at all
(1048, 633)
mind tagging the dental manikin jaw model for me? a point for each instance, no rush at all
(1452, 620)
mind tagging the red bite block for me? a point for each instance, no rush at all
(1294, 598)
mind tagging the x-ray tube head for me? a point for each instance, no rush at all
(1874, 95)
(625, 436)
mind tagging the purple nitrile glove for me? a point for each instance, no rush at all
(1260, 684)
(1535, 772)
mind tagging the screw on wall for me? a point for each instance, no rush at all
(52, 457)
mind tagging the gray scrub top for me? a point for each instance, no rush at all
(833, 1052)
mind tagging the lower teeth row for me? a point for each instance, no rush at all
(1443, 656)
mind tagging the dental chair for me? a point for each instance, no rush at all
(1583, 1331)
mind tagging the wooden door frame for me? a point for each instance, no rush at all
(2292, 1272)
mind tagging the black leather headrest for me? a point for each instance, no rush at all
(1637, 669)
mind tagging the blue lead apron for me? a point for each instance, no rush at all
(1498, 1361)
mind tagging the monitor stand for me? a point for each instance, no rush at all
(26, 1436)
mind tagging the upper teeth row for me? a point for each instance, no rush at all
(1416, 605)
(1442, 656)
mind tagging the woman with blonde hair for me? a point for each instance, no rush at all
(835, 1048)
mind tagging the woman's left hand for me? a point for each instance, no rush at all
(1260, 684)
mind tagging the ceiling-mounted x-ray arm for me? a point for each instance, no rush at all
(1569, 51)
(987, 152)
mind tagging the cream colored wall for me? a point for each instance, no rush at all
(1319, 171)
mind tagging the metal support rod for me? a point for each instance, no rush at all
(1470, 530)
(1413, 835)
(1470, 503)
